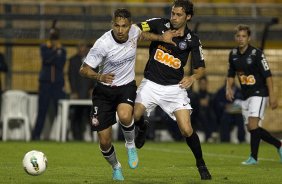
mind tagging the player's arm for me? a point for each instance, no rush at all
(198, 62)
(93, 59)
(150, 32)
(165, 37)
(198, 73)
(265, 70)
(88, 72)
(188, 80)
(229, 91)
(272, 98)
(229, 94)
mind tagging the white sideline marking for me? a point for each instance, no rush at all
(207, 154)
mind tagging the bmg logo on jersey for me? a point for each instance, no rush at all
(247, 80)
(167, 59)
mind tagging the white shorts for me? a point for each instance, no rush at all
(254, 107)
(170, 98)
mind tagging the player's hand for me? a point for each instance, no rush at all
(229, 94)
(273, 102)
(187, 82)
(107, 78)
(168, 35)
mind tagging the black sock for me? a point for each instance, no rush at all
(194, 143)
(141, 123)
(255, 140)
(265, 135)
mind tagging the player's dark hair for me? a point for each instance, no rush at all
(243, 27)
(123, 13)
(186, 5)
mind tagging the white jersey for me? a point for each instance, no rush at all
(116, 58)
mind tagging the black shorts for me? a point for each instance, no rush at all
(105, 101)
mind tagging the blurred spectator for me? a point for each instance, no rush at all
(229, 114)
(81, 88)
(204, 114)
(51, 78)
(3, 68)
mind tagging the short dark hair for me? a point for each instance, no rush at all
(123, 13)
(186, 5)
(243, 27)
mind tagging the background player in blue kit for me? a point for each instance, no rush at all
(164, 82)
(115, 53)
(253, 72)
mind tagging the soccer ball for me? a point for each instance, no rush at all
(34, 162)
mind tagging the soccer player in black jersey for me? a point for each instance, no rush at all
(164, 82)
(253, 72)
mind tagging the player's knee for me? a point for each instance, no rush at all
(125, 118)
(252, 126)
(137, 116)
(138, 112)
(105, 143)
(187, 132)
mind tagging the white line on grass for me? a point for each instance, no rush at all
(206, 154)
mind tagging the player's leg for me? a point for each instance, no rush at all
(254, 114)
(102, 118)
(192, 140)
(124, 117)
(264, 134)
(141, 124)
(267, 137)
(108, 151)
(254, 130)
(147, 94)
(250, 112)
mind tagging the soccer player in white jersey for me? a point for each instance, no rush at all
(114, 95)
(255, 78)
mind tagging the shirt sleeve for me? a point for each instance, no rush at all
(96, 54)
(197, 54)
(136, 29)
(263, 65)
(149, 25)
(231, 68)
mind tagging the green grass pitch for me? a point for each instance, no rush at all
(160, 163)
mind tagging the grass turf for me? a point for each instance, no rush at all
(160, 163)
